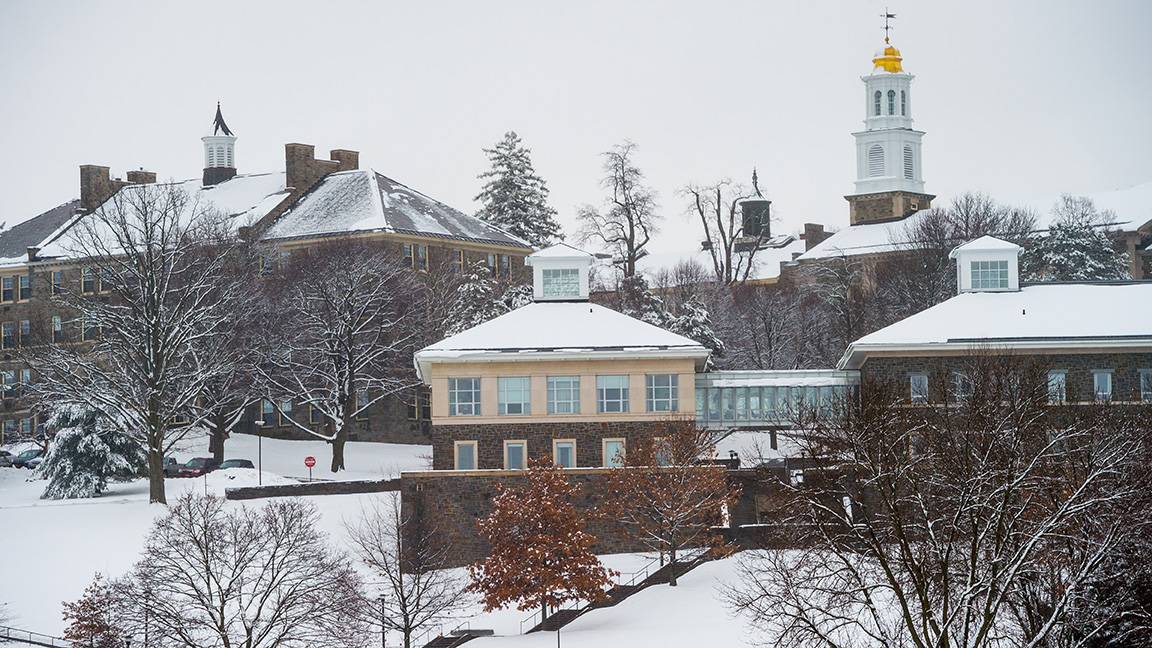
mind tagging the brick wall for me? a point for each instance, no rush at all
(490, 440)
(940, 370)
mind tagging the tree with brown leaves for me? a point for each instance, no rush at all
(664, 496)
(90, 620)
(541, 553)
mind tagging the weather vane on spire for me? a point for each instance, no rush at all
(887, 17)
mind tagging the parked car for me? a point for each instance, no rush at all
(198, 466)
(21, 460)
(5, 459)
(171, 467)
(236, 463)
(34, 463)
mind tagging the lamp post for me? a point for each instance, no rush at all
(383, 622)
(259, 452)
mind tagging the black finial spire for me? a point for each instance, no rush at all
(887, 16)
(756, 183)
(218, 125)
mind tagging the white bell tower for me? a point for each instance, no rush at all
(219, 152)
(889, 180)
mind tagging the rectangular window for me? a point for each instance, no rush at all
(613, 452)
(560, 282)
(8, 340)
(88, 329)
(463, 397)
(6, 289)
(515, 455)
(25, 287)
(1146, 385)
(515, 396)
(285, 411)
(10, 427)
(362, 401)
(89, 282)
(26, 426)
(421, 261)
(492, 264)
(267, 413)
(989, 275)
(962, 387)
(9, 379)
(662, 451)
(611, 394)
(663, 392)
(25, 376)
(1102, 385)
(754, 412)
(315, 415)
(563, 394)
(457, 261)
(57, 282)
(505, 266)
(918, 387)
(1057, 387)
(465, 455)
(425, 404)
(408, 254)
(564, 452)
(25, 331)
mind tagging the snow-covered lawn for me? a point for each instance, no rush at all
(51, 549)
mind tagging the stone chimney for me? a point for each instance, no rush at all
(303, 169)
(141, 177)
(97, 185)
(349, 160)
(814, 235)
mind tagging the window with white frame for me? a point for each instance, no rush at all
(463, 397)
(1057, 386)
(1102, 385)
(464, 455)
(267, 412)
(563, 394)
(564, 452)
(989, 275)
(421, 262)
(613, 450)
(285, 411)
(918, 387)
(663, 392)
(961, 387)
(891, 102)
(1146, 385)
(560, 282)
(515, 455)
(611, 394)
(876, 103)
(875, 161)
(903, 104)
(515, 395)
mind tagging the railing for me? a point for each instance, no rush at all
(533, 622)
(432, 632)
(36, 639)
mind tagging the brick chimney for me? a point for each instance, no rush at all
(349, 160)
(141, 177)
(303, 169)
(814, 235)
(97, 185)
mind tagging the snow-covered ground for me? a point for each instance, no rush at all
(51, 549)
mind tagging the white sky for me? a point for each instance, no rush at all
(1021, 98)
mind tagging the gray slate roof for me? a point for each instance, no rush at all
(364, 200)
(14, 242)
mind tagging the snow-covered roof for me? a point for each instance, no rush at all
(560, 251)
(243, 200)
(866, 238)
(1045, 316)
(765, 263)
(365, 201)
(559, 330)
(985, 244)
(15, 240)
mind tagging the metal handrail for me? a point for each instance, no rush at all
(36, 639)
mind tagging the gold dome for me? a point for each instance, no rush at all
(888, 59)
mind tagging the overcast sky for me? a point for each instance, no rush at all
(1018, 98)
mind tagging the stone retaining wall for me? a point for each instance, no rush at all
(313, 488)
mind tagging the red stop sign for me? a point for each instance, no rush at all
(309, 461)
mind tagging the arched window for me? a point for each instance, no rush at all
(875, 161)
(211, 156)
(229, 164)
(903, 104)
(908, 165)
(891, 102)
(876, 103)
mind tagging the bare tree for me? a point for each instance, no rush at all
(258, 577)
(155, 305)
(729, 242)
(842, 287)
(629, 216)
(409, 560)
(664, 497)
(340, 326)
(976, 520)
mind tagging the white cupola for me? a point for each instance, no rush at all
(987, 264)
(219, 152)
(560, 273)
(888, 149)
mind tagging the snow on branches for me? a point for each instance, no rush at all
(86, 452)
(515, 197)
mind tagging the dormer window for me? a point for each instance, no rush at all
(561, 282)
(990, 275)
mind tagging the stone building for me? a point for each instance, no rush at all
(310, 202)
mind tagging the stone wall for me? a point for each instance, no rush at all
(490, 440)
(885, 206)
(1125, 372)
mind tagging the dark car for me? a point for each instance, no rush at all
(5, 459)
(236, 463)
(21, 460)
(198, 466)
(171, 467)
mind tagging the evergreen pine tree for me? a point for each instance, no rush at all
(90, 618)
(478, 299)
(514, 197)
(637, 300)
(693, 322)
(1073, 252)
(86, 453)
(541, 554)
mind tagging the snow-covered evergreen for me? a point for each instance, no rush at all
(637, 300)
(1076, 248)
(694, 322)
(86, 453)
(514, 197)
(479, 299)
